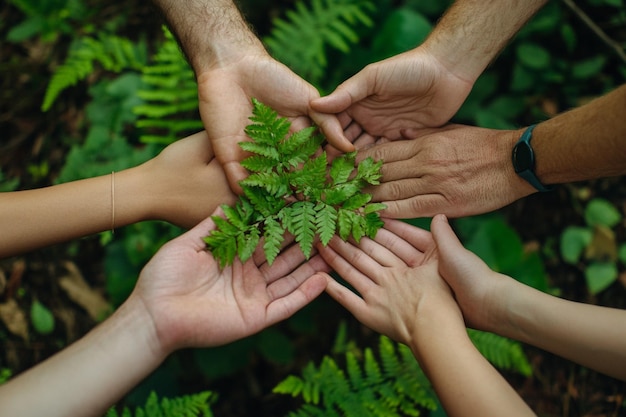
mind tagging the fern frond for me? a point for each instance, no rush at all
(170, 96)
(196, 405)
(502, 352)
(303, 224)
(300, 38)
(112, 52)
(395, 387)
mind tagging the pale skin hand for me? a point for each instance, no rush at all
(426, 86)
(456, 170)
(402, 295)
(181, 185)
(232, 67)
(590, 335)
(182, 300)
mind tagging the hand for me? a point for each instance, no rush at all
(477, 289)
(192, 303)
(456, 170)
(188, 182)
(396, 277)
(409, 90)
(225, 96)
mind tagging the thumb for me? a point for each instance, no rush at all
(347, 93)
(452, 253)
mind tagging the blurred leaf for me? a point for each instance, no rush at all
(488, 119)
(533, 56)
(589, 67)
(622, 253)
(601, 212)
(600, 275)
(574, 240)
(496, 244)
(569, 37)
(522, 79)
(41, 318)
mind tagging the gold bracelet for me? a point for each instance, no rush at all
(112, 202)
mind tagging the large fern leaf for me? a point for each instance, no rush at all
(299, 40)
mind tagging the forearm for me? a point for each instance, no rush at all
(465, 382)
(472, 32)
(34, 218)
(592, 336)
(586, 143)
(209, 31)
(89, 376)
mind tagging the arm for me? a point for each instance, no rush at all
(182, 300)
(426, 86)
(232, 66)
(590, 335)
(404, 297)
(464, 170)
(181, 185)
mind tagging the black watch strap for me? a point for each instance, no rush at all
(523, 158)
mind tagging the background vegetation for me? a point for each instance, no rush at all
(89, 86)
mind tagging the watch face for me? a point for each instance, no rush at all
(522, 157)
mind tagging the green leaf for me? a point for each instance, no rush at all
(369, 171)
(588, 68)
(373, 223)
(247, 243)
(574, 240)
(602, 212)
(600, 275)
(303, 225)
(274, 236)
(326, 222)
(344, 223)
(356, 201)
(533, 56)
(342, 167)
(41, 317)
(340, 193)
(222, 246)
(622, 253)
(268, 151)
(371, 208)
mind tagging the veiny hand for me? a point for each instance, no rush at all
(455, 170)
(395, 276)
(225, 106)
(409, 90)
(192, 303)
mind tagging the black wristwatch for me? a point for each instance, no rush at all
(524, 160)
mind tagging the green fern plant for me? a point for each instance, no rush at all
(300, 40)
(392, 385)
(114, 53)
(170, 96)
(292, 189)
(196, 405)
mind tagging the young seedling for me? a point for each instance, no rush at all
(293, 188)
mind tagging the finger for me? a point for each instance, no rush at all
(201, 230)
(346, 297)
(339, 258)
(418, 238)
(347, 93)
(380, 253)
(329, 124)
(407, 253)
(426, 205)
(234, 174)
(285, 284)
(284, 307)
(392, 151)
(447, 241)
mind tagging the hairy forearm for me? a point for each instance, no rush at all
(466, 384)
(90, 375)
(209, 31)
(586, 143)
(35, 218)
(590, 335)
(472, 32)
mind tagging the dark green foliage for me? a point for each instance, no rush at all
(325, 22)
(112, 52)
(196, 405)
(391, 385)
(292, 189)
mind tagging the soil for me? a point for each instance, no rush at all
(558, 388)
